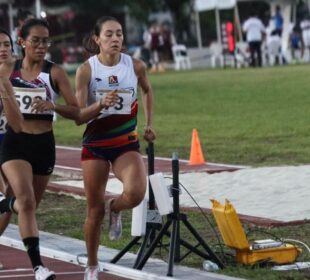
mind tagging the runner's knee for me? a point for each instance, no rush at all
(26, 203)
(96, 213)
(134, 197)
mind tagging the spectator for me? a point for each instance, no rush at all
(278, 21)
(296, 43)
(146, 48)
(168, 42)
(156, 44)
(273, 44)
(305, 29)
(255, 31)
(22, 16)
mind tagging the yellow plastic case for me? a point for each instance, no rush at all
(234, 237)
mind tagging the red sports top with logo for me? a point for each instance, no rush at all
(117, 126)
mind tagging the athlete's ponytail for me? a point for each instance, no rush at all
(90, 45)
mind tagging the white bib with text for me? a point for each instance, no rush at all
(25, 96)
(3, 124)
(122, 106)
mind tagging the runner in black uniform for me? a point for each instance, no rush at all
(27, 154)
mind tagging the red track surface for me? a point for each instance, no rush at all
(68, 160)
(17, 266)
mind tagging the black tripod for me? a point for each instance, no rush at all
(152, 225)
(174, 219)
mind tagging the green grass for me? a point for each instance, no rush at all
(249, 116)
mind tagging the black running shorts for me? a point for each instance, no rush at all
(37, 149)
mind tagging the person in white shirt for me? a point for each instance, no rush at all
(305, 29)
(254, 29)
(22, 16)
(273, 44)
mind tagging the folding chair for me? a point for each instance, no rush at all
(181, 58)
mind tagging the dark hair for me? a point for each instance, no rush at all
(23, 14)
(2, 31)
(88, 42)
(25, 30)
(253, 12)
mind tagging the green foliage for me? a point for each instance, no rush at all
(138, 9)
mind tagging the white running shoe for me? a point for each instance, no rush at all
(43, 273)
(91, 273)
(115, 223)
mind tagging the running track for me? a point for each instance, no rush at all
(68, 162)
(17, 266)
(16, 263)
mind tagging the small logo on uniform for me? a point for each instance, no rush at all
(98, 79)
(113, 80)
(50, 169)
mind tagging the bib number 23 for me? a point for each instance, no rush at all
(123, 104)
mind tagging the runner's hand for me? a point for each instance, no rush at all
(38, 105)
(149, 134)
(109, 99)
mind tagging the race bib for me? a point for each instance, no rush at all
(25, 96)
(123, 105)
(3, 124)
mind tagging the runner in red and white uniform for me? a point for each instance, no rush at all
(110, 141)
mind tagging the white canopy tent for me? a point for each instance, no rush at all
(206, 5)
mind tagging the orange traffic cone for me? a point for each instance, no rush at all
(196, 156)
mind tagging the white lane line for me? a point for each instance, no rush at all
(68, 148)
(15, 270)
(68, 167)
(31, 275)
(16, 276)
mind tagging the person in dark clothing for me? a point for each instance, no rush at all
(254, 30)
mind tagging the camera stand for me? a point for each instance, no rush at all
(174, 219)
(154, 221)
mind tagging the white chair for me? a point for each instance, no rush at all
(274, 50)
(181, 58)
(217, 58)
(242, 54)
